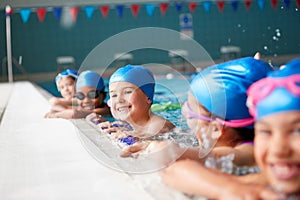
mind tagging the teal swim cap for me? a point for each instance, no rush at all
(279, 92)
(90, 78)
(222, 88)
(137, 75)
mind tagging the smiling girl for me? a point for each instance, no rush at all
(275, 103)
(131, 90)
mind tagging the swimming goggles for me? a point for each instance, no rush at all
(190, 114)
(67, 72)
(262, 88)
(93, 94)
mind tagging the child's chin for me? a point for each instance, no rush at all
(286, 187)
(123, 117)
(89, 108)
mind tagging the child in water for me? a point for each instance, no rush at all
(65, 83)
(275, 104)
(216, 110)
(90, 97)
(131, 90)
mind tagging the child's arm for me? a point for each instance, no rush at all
(59, 104)
(197, 180)
(105, 111)
(68, 114)
(65, 114)
(243, 154)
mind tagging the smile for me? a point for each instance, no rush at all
(285, 171)
(123, 108)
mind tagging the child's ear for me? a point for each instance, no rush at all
(217, 130)
(149, 101)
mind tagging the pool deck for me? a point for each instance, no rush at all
(48, 158)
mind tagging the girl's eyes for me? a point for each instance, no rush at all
(124, 92)
(128, 91)
(113, 95)
(296, 131)
(261, 131)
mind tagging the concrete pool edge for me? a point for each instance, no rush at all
(45, 158)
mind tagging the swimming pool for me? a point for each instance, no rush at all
(170, 93)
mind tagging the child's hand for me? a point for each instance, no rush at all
(95, 118)
(135, 149)
(165, 151)
(108, 127)
(119, 134)
(50, 115)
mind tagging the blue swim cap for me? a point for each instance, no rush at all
(279, 92)
(90, 78)
(67, 72)
(137, 75)
(222, 88)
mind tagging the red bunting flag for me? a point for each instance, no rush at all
(248, 4)
(135, 9)
(41, 13)
(274, 3)
(221, 5)
(192, 6)
(298, 3)
(104, 11)
(163, 8)
(74, 12)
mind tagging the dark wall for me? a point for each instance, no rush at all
(40, 43)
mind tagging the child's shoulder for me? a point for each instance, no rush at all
(161, 123)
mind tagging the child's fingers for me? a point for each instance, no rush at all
(271, 195)
(119, 135)
(134, 150)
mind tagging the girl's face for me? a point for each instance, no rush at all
(207, 133)
(128, 102)
(88, 98)
(66, 86)
(197, 108)
(277, 150)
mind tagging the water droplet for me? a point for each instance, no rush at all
(265, 48)
(229, 40)
(269, 28)
(275, 54)
(278, 34)
(296, 9)
(281, 7)
(239, 25)
(277, 30)
(275, 38)
(243, 30)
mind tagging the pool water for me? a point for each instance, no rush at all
(168, 98)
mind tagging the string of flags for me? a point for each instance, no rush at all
(135, 8)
